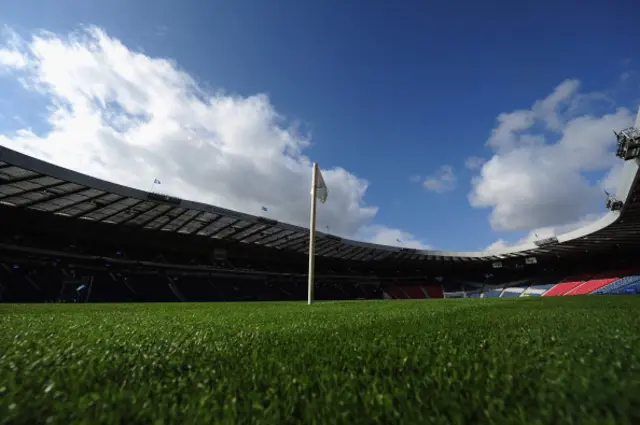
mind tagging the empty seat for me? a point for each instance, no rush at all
(413, 291)
(590, 286)
(614, 286)
(565, 286)
(493, 293)
(538, 290)
(395, 292)
(515, 291)
(434, 291)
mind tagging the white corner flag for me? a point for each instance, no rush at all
(321, 188)
(320, 192)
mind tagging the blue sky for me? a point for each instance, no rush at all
(387, 90)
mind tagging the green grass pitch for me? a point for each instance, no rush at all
(572, 360)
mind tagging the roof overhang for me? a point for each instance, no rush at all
(27, 182)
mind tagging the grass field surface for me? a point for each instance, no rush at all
(573, 360)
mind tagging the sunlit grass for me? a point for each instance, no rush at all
(509, 361)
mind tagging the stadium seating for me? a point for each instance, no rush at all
(590, 286)
(565, 286)
(493, 293)
(617, 285)
(395, 292)
(474, 291)
(538, 290)
(413, 291)
(37, 271)
(434, 291)
(630, 289)
(21, 283)
(511, 292)
(55, 282)
(107, 287)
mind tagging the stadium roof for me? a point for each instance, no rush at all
(26, 182)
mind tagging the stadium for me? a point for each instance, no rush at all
(120, 305)
(128, 335)
(69, 237)
(125, 337)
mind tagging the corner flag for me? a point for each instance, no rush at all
(319, 192)
(321, 188)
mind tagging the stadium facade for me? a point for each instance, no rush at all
(70, 237)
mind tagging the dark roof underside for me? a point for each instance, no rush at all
(23, 188)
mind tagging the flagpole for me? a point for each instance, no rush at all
(312, 233)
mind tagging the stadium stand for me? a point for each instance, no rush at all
(631, 289)
(414, 291)
(434, 291)
(70, 237)
(395, 292)
(565, 286)
(493, 292)
(593, 284)
(538, 290)
(617, 285)
(542, 284)
(514, 291)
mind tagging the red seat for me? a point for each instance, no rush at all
(434, 291)
(394, 291)
(413, 291)
(590, 286)
(562, 288)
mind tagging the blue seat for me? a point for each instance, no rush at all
(615, 287)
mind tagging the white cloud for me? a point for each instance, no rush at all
(545, 232)
(444, 180)
(12, 59)
(534, 182)
(474, 162)
(610, 181)
(129, 118)
(550, 109)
